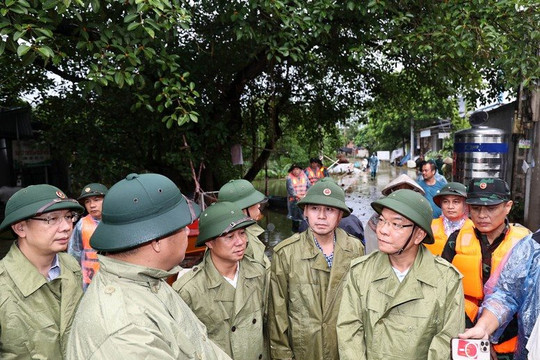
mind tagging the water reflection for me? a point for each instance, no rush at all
(360, 191)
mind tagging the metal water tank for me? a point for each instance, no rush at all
(480, 151)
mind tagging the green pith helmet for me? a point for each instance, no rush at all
(94, 189)
(240, 192)
(32, 201)
(411, 205)
(487, 191)
(139, 209)
(452, 188)
(221, 218)
(326, 192)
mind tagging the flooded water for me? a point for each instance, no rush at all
(359, 189)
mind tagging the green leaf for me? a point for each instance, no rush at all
(119, 79)
(150, 32)
(133, 26)
(131, 17)
(23, 49)
(45, 51)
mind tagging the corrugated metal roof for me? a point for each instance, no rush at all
(15, 123)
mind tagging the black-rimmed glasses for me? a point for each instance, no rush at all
(55, 220)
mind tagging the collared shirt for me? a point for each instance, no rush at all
(451, 226)
(54, 271)
(330, 257)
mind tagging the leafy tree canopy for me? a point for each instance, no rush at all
(251, 72)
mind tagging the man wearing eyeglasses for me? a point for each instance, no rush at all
(129, 311)
(477, 251)
(307, 276)
(79, 245)
(227, 291)
(40, 285)
(400, 302)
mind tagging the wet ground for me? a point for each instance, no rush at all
(359, 189)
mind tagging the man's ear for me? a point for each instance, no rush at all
(210, 243)
(19, 229)
(156, 246)
(420, 235)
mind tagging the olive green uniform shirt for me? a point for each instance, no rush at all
(36, 314)
(305, 295)
(383, 319)
(234, 317)
(130, 312)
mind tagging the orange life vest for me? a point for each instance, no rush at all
(437, 226)
(89, 259)
(313, 176)
(468, 260)
(299, 184)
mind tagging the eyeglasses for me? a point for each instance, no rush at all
(55, 220)
(381, 222)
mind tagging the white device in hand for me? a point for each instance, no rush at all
(465, 349)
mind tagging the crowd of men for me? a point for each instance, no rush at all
(96, 288)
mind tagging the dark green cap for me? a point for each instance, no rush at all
(32, 201)
(452, 188)
(411, 205)
(219, 219)
(139, 209)
(93, 189)
(326, 192)
(487, 191)
(240, 192)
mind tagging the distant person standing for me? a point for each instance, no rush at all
(314, 171)
(439, 162)
(431, 185)
(323, 169)
(40, 285)
(297, 186)
(373, 164)
(79, 245)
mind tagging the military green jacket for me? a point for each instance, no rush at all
(255, 249)
(383, 319)
(130, 312)
(35, 321)
(305, 295)
(234, 317)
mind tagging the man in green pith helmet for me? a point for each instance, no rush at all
(401, 302)
(129, 311)
(244, 195)
(307, 276)
(79, 245)
(478, 250)
(227, 291)
(40, 285)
